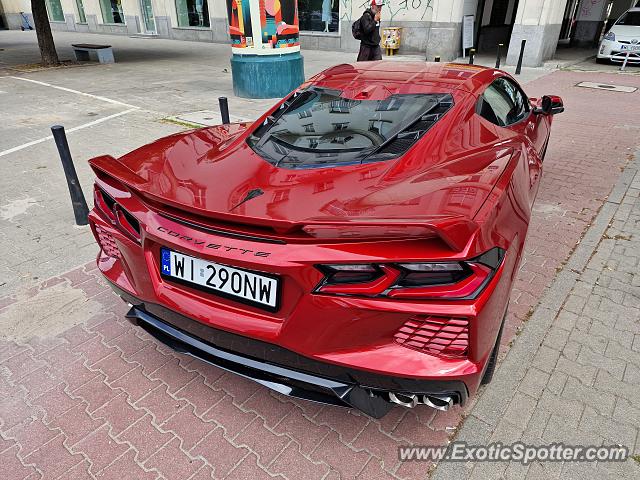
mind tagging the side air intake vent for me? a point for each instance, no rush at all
(441, 336)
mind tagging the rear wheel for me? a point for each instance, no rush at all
(493, 359)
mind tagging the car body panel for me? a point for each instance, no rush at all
(471, 182)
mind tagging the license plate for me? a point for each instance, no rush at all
(245, 286)
(631, 48)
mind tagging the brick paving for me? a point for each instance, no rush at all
(99, 398)
(573, 376)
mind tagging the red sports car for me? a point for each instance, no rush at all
(356, 245)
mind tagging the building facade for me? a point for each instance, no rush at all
(430, 27)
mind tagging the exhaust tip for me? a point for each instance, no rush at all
(409, 400)
(439, 403)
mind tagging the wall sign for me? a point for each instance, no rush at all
(467, 32)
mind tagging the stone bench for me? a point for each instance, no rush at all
(82, 50)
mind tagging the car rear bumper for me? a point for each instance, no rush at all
(287, 372)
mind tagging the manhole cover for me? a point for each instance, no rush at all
(604, 86)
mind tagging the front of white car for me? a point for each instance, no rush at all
(623, 39)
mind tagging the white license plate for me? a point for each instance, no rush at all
(247, 287)
(631, 48)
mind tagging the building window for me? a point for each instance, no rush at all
(318, 15)
(82, 18)
(55, 11)
(112, 11)
(192, 13)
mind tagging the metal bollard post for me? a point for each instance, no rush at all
(500, 45)
(472, 54)
(624, 63)
(80, 209)
(224, 110)
(437, 59)
(519, 66)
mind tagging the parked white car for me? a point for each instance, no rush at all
(622, 39)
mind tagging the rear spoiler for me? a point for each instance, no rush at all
(455, 231)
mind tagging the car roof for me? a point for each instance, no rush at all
(383, 78)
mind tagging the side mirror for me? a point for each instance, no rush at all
(550, 105)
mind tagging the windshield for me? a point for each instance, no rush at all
(318, 126)
(629, 18)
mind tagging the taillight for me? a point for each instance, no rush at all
(357, 279)
(116, 214)
(128, 223)
(104, 203)
(472, 280)
(423, 274)
(424, 280)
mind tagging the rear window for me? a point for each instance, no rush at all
(317, 127)
(629, 18)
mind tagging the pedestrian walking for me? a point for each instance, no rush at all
(367, 30)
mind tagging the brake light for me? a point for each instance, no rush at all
(104, 203)
(116, 214)
(127, 223)
(464, 287)
(355, 280)
(455, 280)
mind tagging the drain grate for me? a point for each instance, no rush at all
(604, 86)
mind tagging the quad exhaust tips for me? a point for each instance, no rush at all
(411, 400)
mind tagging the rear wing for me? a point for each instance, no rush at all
(454, 231)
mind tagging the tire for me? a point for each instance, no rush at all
(601, 60)
(493, 359)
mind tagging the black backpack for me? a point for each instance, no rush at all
(356, 29)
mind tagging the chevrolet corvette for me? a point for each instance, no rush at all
(356, 245)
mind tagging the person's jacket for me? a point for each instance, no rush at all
(370, 31)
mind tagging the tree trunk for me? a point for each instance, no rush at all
(43, 32)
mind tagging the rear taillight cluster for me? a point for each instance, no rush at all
(442, 280)
(118, 217)
(442, 336)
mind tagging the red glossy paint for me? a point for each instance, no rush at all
(466, 187)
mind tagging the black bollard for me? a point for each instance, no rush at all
(437, 59)
(80, 209)
(224, 110)
(500, 45)
(519, 66)
(472, 54)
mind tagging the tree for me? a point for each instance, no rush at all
(43, 32)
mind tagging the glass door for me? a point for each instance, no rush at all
(147, 16)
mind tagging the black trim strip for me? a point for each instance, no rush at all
(252, 369)
(275, 355)
(280, 379)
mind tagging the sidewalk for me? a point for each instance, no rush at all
(86, 395)
(573, 375)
